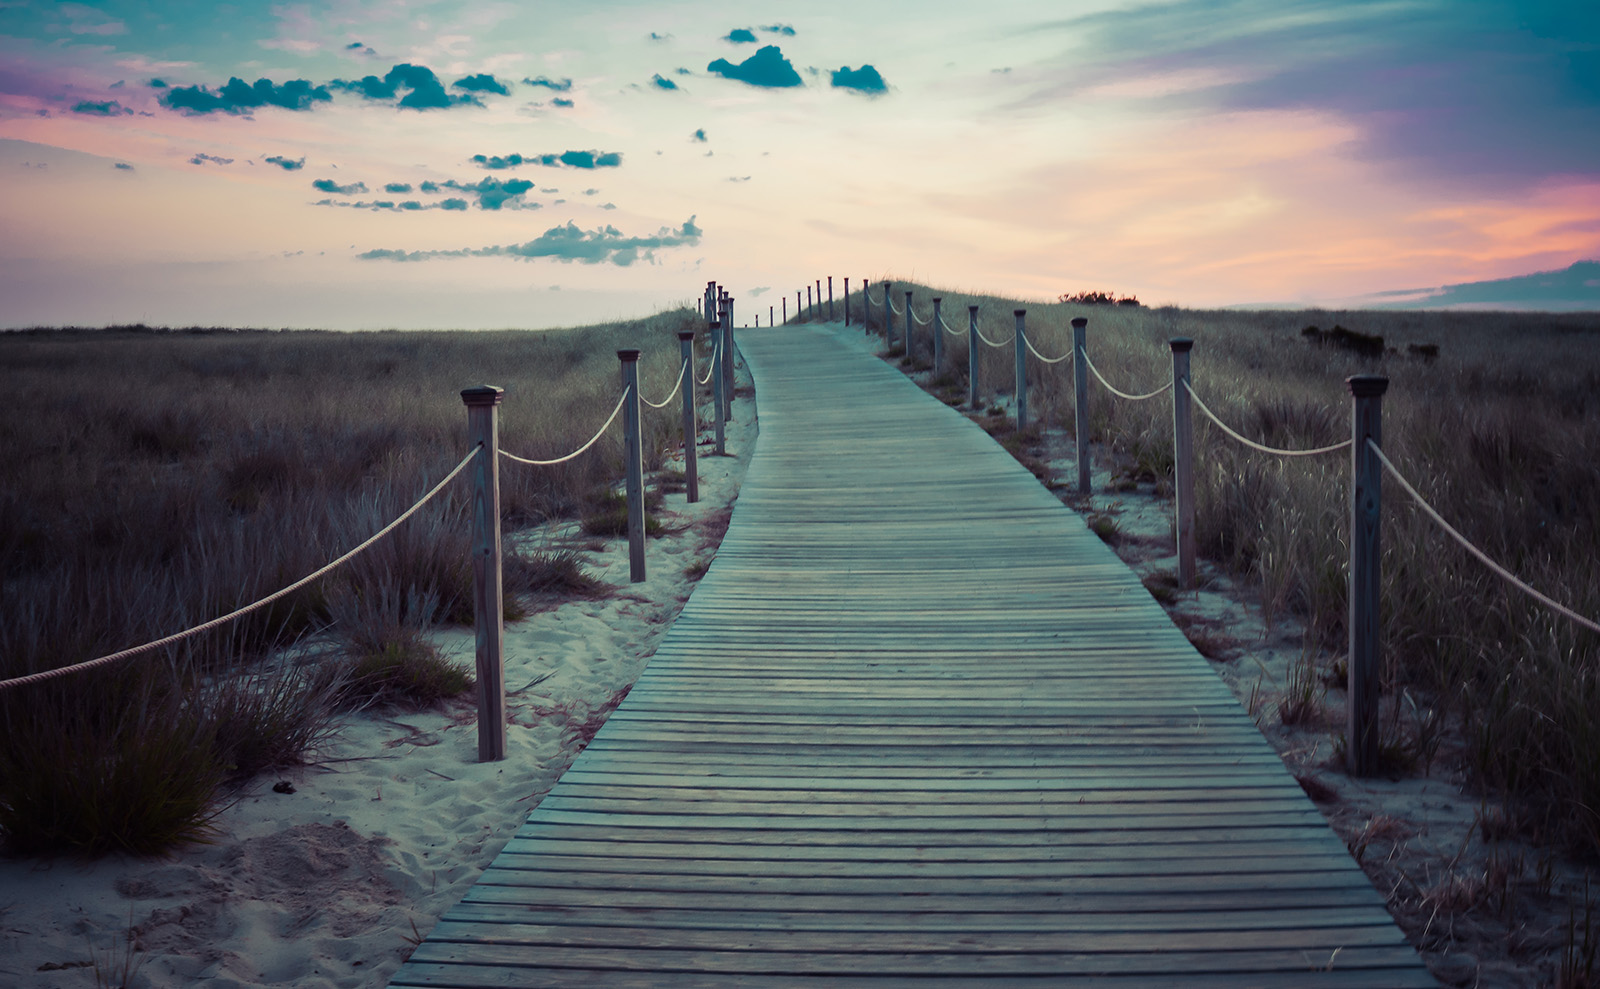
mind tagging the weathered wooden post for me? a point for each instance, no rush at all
(908, 326)
(816, 313)
(972, 358)
(847, 302)
(1080, 388)
(633, 454)
(1183, 460)
(727, 358)
(938, 334)
(691, 429)
(799, 313)
(1021, 347)
(786, 310)
(711, 304)
(770, 317)
(888, 315)
(1366, 503)
(830, 298)
(811, 311)
(718, 399)
(488, 602)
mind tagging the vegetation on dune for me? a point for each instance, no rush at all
(155, 480)
(1495, 417)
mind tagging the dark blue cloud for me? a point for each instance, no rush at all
(663, 82)
(492, 193)
(483, 82)
(157, 84)
(865, 79)
(1484, 95)
(568, 159)
(766, 67)
(329, 185)
(783, 29)
(104, 108)
(654, 36)
(558, 101)
(699, 135)
(566, 243)
(239, 97)
(352, 46)
(560, 86)
(399, 188)
(390, 206)
(123, 166)
(424, 90)
(741, 36)
(202, 158)
(287, 164)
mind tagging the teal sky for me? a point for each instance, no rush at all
(415, 164)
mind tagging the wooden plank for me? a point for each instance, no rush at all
(916, 722)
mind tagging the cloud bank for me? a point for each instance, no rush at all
(767, 68)
(606, 245)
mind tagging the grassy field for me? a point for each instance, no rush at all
(1500, 431)
(156, 479)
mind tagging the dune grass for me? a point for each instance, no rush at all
(1494, 417)
(156, 479)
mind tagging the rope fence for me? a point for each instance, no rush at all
(1365, 391)
(482, 404)
(177, 637)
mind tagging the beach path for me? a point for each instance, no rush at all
(917, 725)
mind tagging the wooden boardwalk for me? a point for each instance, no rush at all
(916, 726)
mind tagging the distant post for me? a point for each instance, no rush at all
(908, 326)
(830, 298)
(771, 316)
(816, 313)
(1021, 347)
(810, 309)
(1183, 459)
(786, 310)
(727, 357)
(691, 429)
(866, 306)
(847, 302)
(633, 451)
(711, 296)
(1366, 505)
(799, 313)
(938, 334)
(972, 358)
(488, 602)
(1080, 388)
(718, 399)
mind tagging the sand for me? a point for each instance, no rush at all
(389, 824)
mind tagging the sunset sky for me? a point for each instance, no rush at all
(475, 163)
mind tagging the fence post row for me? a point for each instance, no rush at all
(938, 334)
(1182, 460)
(1366, 503)
(972, 358)
(488, 608)
(691, 429)
(1080, 387)
(633, 454)
(1021, 348)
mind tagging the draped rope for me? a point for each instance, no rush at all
(1483, 557)
(1004, 343)
(947, 328)
(240, 612)
(897, 310)
(682, 371)
(592, 440)
(1122, 394)
(1035, 351)
(1257, 446)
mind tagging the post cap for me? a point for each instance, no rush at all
(1367, 385)
(685, 334)
(1019, 312)
(1078, 321)
(482, 395)
(1180, 345)
(627, 356)
(714, 324)
(972, 309)
(938, 299)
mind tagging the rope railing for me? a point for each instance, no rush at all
(1003, 343)
(716, 355)
(897, 310)
(949, 329)
(920, 320)
(1252, 444)
(580, 450)
(683, 370)
(1113, 389)
(1466, 544)
(247, 609)
(1048, 360)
